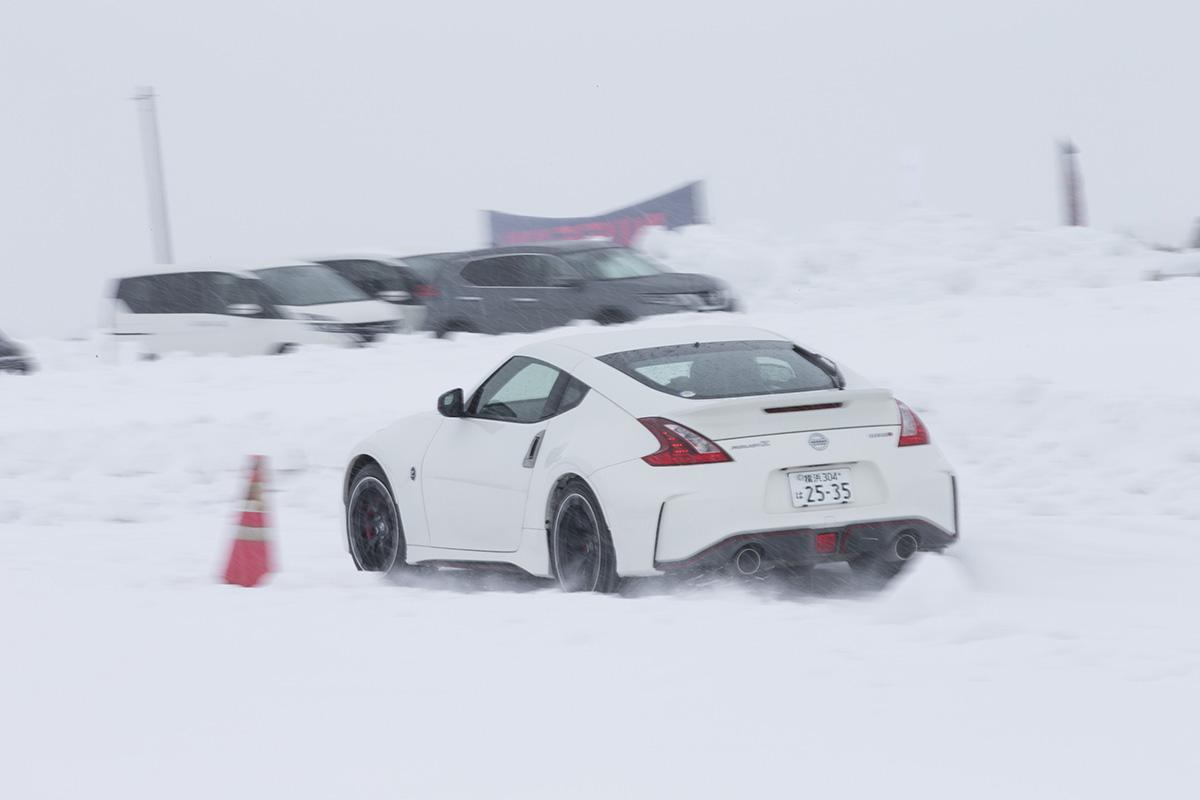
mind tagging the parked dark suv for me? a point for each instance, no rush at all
(13, 357)
(531, 287)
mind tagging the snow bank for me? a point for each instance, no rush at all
(921, 257)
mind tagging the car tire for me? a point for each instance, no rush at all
(374, 532)
(582, 557)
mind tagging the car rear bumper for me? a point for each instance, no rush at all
(664, 518)
(818, 544)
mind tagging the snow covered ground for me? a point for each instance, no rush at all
(1055, 653)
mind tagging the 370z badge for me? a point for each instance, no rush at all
(818, 441)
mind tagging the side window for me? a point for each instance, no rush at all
(231, 290)
(572, 395)
(540, 270)
(171, 293)
(519, 391)
(185, 293)
(498, 271)
(138, 294)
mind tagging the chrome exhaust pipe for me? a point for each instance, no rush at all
(905, 546)
(748, 560)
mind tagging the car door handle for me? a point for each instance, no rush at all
(526, 300)
(532, 453)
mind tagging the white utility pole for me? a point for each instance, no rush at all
(156, 187)
(1072, 182)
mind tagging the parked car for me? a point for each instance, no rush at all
(386, 278)
(13, 357)
(531, 287)
(639, 452)
(209, 310)
(319, 295)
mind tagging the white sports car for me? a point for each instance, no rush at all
(638, 452)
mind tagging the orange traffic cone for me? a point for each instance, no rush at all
(249, 560)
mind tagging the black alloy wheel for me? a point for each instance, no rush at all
(581, 548)
(373, 523)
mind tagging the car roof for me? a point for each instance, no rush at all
(243, 268)
(376, 256)
(568, 246)
(278, 264)
(448, 254)
(615, 341)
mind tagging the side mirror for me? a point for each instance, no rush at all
(243, 309)
(450, 404)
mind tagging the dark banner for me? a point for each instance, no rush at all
(670, 210)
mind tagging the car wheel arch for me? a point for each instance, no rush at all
(553, 497)
(357, 465)
(555, 488)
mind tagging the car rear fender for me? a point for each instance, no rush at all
(594, 435)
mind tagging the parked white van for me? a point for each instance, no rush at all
(207, 310)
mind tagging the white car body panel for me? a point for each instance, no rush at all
(205, 334)
(353, 312)
(463, 494)
(474, 484)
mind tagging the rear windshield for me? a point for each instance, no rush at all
(309, 285)
(708, 370)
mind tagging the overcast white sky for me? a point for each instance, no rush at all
(304, 127)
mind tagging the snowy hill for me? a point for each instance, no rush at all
(923, 256)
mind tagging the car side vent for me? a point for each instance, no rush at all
(811, 407)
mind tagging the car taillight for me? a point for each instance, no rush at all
(424, 290)
(912, 430)
(679, 445)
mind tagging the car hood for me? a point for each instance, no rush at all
(668, 283)
(354, 312)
